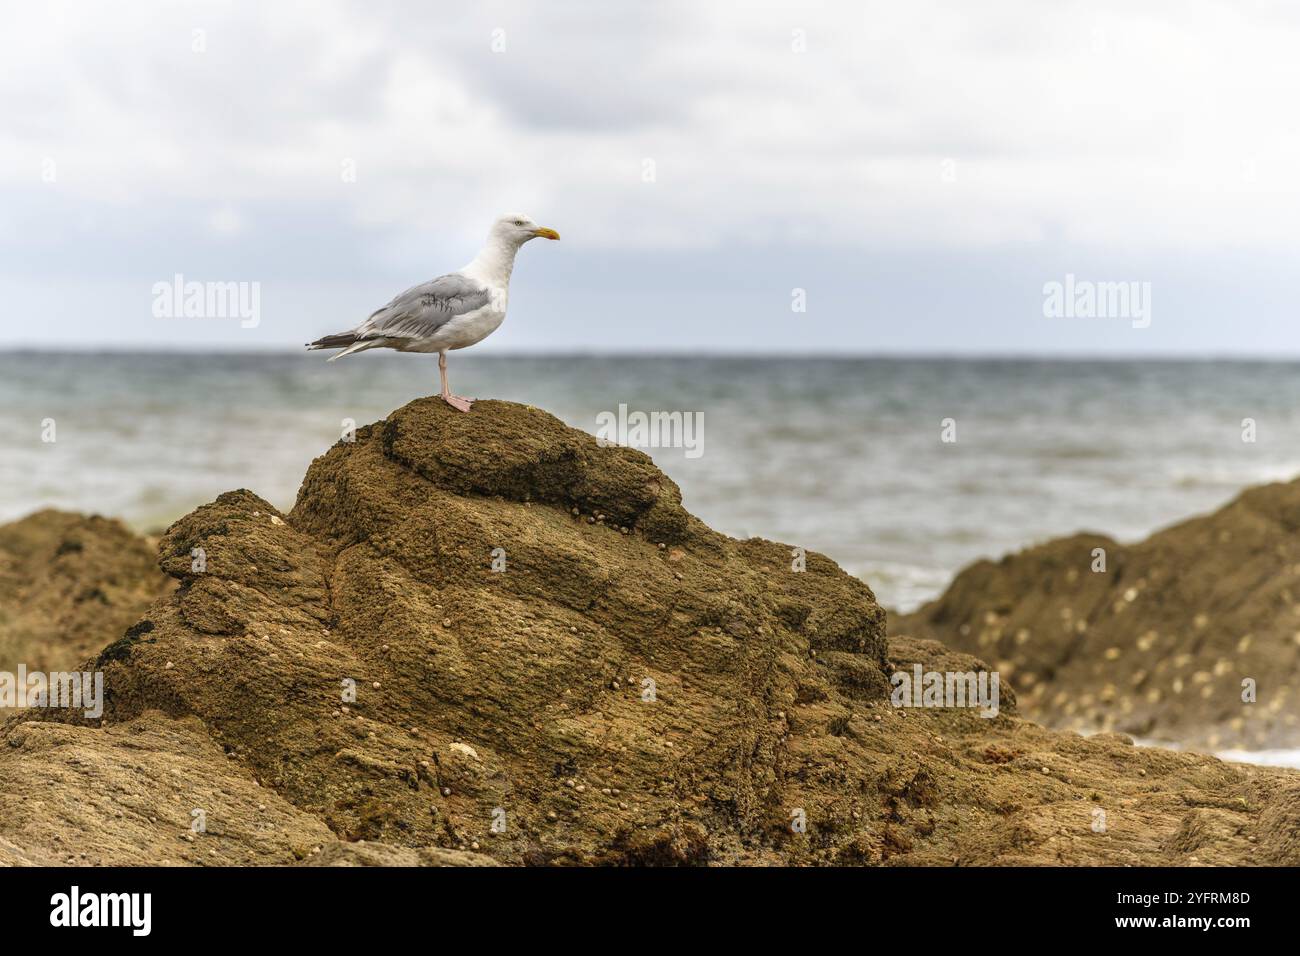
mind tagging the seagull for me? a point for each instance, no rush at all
(453, 311)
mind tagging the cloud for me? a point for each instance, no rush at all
(1153, 127)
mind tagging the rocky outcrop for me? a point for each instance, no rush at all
(154, 790)
(484, 638)
(1192, 635)
(69, 584)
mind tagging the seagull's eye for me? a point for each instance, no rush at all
(519, 222)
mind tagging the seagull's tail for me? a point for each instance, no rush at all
(349, 342)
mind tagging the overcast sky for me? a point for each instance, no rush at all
(921, 170)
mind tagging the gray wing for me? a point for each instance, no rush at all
(423, 309)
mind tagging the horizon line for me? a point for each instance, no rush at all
(715, 354)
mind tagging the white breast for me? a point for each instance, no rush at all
(470, 328)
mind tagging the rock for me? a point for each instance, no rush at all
(69, 584)
(365, 853)
(745, 735)
(125, 795)
(466, 749)
(1163, 643)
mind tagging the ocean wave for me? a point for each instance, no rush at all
(1228, 475)
(1263, 758)
(902, 587)
(1268, 758)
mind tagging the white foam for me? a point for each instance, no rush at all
(1267, 758)
(1263, 758)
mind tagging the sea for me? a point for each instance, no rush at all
(902, 470)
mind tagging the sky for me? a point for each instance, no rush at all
(784, 178)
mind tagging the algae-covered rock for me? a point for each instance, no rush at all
(149, 791)
(1192, 635)
(433, 634)
(485, 636)
(69, 584)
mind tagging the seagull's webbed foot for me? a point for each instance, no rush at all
(456, 402)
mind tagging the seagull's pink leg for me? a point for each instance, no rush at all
(455, 401)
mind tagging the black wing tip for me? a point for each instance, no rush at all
(340, 341)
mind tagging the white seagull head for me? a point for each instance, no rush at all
(517, 229)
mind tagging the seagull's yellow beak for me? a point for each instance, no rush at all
(546, 233)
